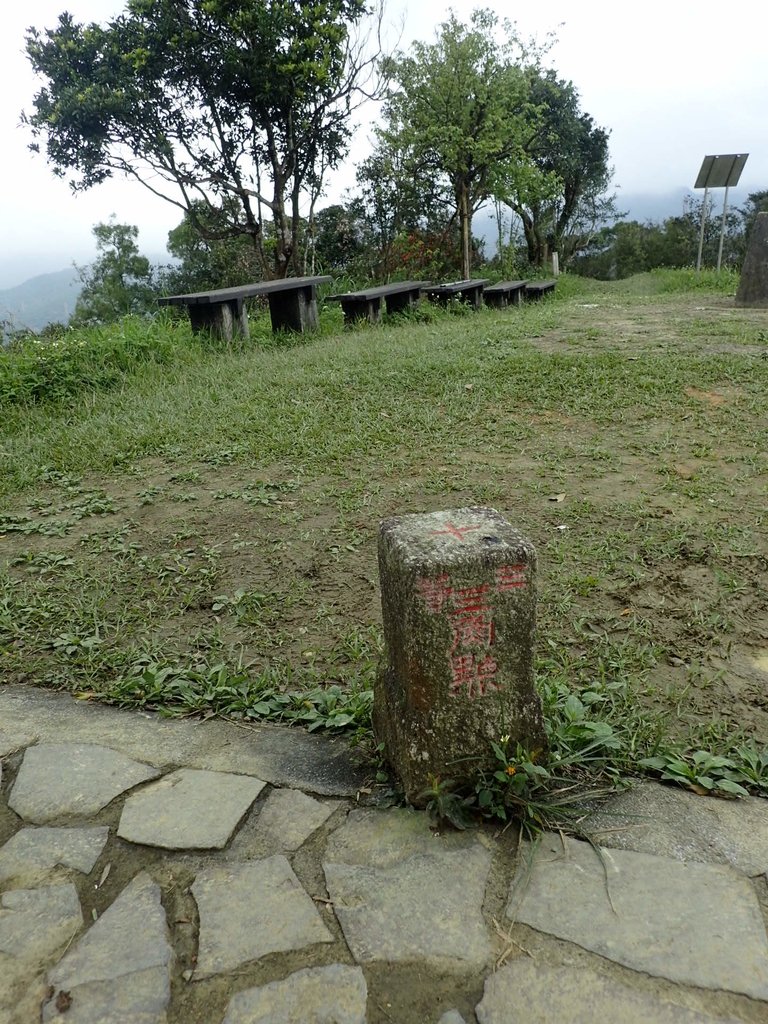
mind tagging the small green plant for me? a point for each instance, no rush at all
(446, 803)
(704, 772)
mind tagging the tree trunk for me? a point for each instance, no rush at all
(282, 234)
(465, 219)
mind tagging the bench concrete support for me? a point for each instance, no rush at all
(400, 301)
(225, 320)
(368, 303)
(507, 293)
(294, 310)
(361, 309)
(458, 602)
(535, 290)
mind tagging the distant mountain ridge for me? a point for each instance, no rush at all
(45, 299)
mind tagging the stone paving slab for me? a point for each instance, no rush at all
(120, 969)
(671, 822)
(525, 992)
(35, 925)
(696, 924)
(35, 922)
(402, 893)
(188, 809)
(382, 839)
(289, 817)
(72, 779)
(249, 910)
(12, 741)
(336, 994)
(280, 756)
(34, 852)
(406, 891)
(138, 998)
(427, 908)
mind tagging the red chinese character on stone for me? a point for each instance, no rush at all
(487, 668)
(463, 670)
(472, 629)
(454, 531)
(509, 577)
(477, 676)
(470, 599)
(435, 591)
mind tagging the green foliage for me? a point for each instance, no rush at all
(689, 280)
(444, 804)
(220, 690)
(458, 109)
(62, 367)
(560, 194)
(704, 772)
(339, 241)
(205, 101)
(597, 738)
(118, 283)
(207, 253)
(628, 247)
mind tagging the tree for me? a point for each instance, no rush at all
(397, 203)
(206, 259)
(339, 239)
(118, 282)
(203, 100)
(561, 199)
(628, 247)
(459, 109)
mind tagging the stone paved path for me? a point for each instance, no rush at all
(177, 871)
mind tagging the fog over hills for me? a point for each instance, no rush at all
(41, 300)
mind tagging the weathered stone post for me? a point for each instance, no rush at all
(753, 284)
(458, 602)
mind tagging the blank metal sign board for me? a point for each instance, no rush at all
(721, 171)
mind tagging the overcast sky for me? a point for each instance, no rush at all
(673, 81)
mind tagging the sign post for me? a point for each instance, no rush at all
(721, 171)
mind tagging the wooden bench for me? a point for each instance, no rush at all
(470, 291)
(505, 293)
(292, 306)
(367, 304)
(535, 289)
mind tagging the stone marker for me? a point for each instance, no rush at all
(458, 602)
(753, 284)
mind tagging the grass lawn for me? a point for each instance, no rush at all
(198, 531)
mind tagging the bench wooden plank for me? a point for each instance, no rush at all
(469, 290)
(536, 289)
(292, 306)
(366, 304)
(504, 293)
